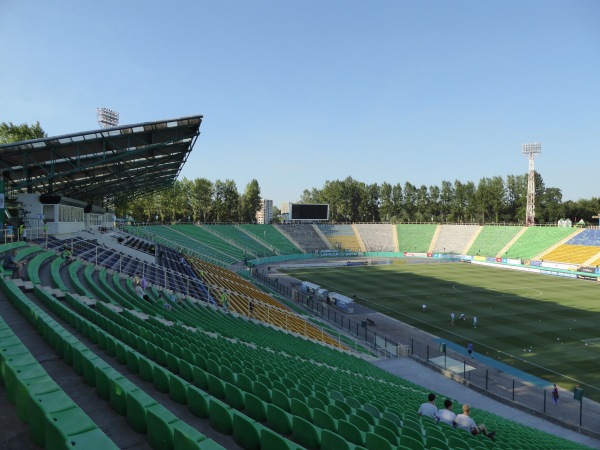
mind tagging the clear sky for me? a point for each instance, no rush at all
(295, 93)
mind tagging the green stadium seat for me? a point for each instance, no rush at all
(200, 378)
(41, 405)
(351, 433)
(280, 399)
(161, 356)
(392, 436)
(137, 404)
(376, 442)
(244, 382)
(160, 378)
(25, 389)
(359, 422)
(301, 409)
(61, 425)
(13, 374)
(220, 416)
(119, 388)
(410, 442)
(333, 441)
(366, 416)
(343, 406)
(456, 442)
(336, 412)
(271, 440)
(392, 417)
(93, 440)
(410, 432)
(173, 363)
(432, 441)
(234, 396)
(255, 408)
(262, 391)
(216, 388)
(323, 420)
(305, 433)
(198, 402)
(278, 419)
(161, 425)
(386, 423)
(246, 432)
(178, 389)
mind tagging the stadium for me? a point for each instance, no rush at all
(208, 336)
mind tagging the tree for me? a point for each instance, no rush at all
(386, 205)
(9, 132)
(410, 202)
(276, 214)
(446, 200)
(201, 199)
(250, 202)
(226, 201)
(397, 202)
(423, 211)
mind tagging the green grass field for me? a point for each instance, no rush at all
(540, 319)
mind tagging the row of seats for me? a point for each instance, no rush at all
(272, 237)
(55, 420)
(145, 354)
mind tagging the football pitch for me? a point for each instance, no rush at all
(546, 326)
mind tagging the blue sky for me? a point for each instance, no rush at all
(297, 93)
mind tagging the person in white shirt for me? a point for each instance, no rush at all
(429, 409)
(466, 423)
(446, 415)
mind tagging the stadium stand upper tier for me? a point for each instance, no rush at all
(534, 240)
(226, 245)
(414, 237)
(377, 238)
(307, 237)
(341, 236)
(453, 238)
(272, 237)
(492, 239)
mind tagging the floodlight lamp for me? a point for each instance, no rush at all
(531, 149)
(107, 117)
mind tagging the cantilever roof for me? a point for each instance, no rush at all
(101, 165)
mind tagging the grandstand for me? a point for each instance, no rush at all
(341, 236)
(535, 240)
(453, 238)
(86, 362)
(272, 237)
(415, 237)
(376, 238)
(305, 236)
(492, 239)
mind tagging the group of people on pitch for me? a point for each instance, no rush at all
(446, 415)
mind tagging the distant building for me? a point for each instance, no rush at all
(265, 214)
(285, 207)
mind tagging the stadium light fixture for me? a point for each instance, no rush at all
(530, 151)
(107, 117)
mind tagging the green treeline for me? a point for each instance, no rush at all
(492, 200)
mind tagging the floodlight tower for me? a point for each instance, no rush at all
(530, 150)
(107, 117)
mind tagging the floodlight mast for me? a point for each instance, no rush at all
(107, 117)
(530, 150)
